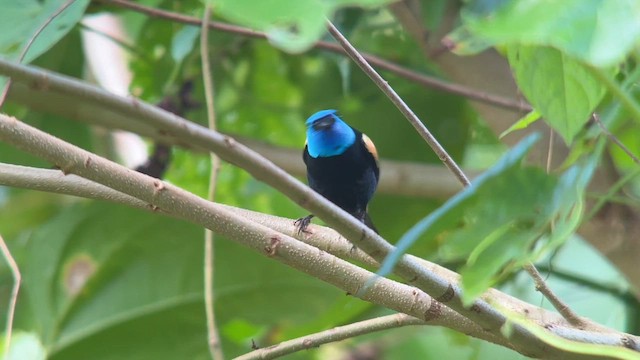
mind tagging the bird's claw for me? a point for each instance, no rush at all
(302, 224)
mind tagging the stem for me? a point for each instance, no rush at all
(400, 104)
(614, 139)
(539, 282)
(557, 303)
(627, 101)
(17, 278)
(215, 345)
(332, 335)
(400, 71)
(611, 192)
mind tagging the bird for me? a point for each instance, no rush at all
(342, 165)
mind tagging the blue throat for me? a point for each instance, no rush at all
(329, 141)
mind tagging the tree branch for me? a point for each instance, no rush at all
(396, 177)
(557, 303)
(400, 71)
(332, 335)
(412, 271)
(228, 149)
(173, 200)
(184, 205)
(323, 238)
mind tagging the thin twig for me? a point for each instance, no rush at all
(215, 346)
(550, 151)
(617, 290)
(539, 282)
(5, 91)
(332, 335)
(614, 139)
(625, 98)
(17, 278)
(424, 80)
(617, 186)
(564, 309)
(400, 104)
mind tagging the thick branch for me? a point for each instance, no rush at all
(219, 219)
(414, 272)
(228, 149)
(53, 180)
(323, 238)
(396, 177)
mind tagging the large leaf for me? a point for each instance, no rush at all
(599, 32)
(562, 89)
(491, 225)
(290, 25)
(100, 276)
(20, 20)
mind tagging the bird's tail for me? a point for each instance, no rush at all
(367, 221)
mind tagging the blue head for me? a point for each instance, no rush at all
(327, 134)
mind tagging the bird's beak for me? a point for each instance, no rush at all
(323, 124)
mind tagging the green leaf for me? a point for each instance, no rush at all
(183, 42)
(599, 32)
(523, 123)
(101, 276)
(21, 19)
(562, 89)
(450, 212)
(492, 225)
(293, 26)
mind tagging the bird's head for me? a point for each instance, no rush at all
(327, 134)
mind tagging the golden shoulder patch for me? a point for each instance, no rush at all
(368, 144)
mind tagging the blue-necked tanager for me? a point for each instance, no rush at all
(342, 165)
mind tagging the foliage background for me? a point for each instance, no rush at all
(107, 282)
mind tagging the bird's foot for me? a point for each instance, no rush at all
(303, 223)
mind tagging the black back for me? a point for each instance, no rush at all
(348, 180)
